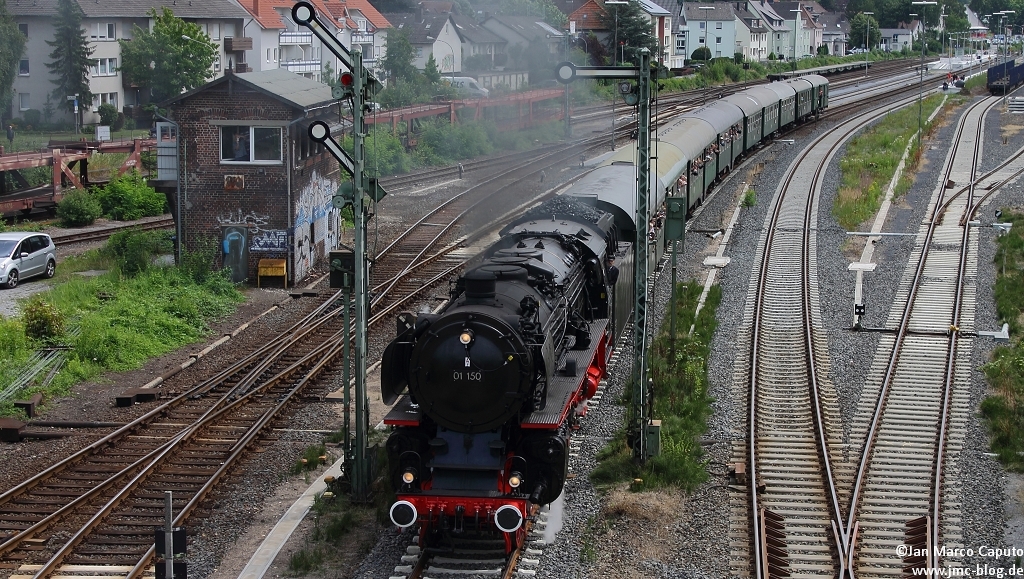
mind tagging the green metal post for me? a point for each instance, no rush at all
(346, 379)
(640, 410)
(361, 480)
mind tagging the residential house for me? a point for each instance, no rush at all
(256, 182)
(279, 42)
(661, 28)
(780, 33)
(835, 32)
(895, 39)
(808, 32)
(431, 34)
(361, 28)
(711, 24)
(482, 49)
(751, 34)
(523, 31)
(105, 22)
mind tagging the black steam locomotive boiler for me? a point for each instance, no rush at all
(490, 389)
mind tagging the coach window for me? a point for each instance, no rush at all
(244, 144)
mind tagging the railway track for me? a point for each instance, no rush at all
(911, 423)
(797, 522)
(102, 502)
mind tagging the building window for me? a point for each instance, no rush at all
(250, 144)
(361, 24)
(104, 31)
(680, 43)
(718, 40)
(24, 102)
(23, 28)
(268, 55)
(104, 67)
(702, 25)
(215, 30)
(718, 25)
(276, 54)
(216, 64)
(702, 40)
(23, 67)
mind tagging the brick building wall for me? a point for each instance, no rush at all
(278, 209)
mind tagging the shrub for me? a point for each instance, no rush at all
(134, 250)
(78, 208)
(129, 124)
(108, 114)
(118, 122)
(32, 117)
(42, 321)
(128, 197)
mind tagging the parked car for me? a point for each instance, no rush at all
(24, 255)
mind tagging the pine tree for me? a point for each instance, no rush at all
(70, 62)
(634, 31)
(430, 70)
(12, 44)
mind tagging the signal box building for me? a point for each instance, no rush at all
(244, 174)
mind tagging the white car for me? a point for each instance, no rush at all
(24, 255)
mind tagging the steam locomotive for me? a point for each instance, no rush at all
(489, 390)
(498, 380)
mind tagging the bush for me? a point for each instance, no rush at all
(118, 122)
(78, 208)
(32, 117)
(129, 124)
(134, 250)
(108, 114)
(128, 197)
(42, 321)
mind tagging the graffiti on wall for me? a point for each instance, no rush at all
(315, 229)
(265, 240)
(235, 252)
(269, 240)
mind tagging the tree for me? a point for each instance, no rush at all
(398, 56)
(858, 24)
(634, 31)
(70, 62)
(12, 45)
(430, 70)
(164, 60)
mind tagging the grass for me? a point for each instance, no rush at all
(1003, 410)
(681, 402)
(871, 160)
(310, 459)
(115, 322)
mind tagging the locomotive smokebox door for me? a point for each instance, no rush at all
(343, 268)
(675, 218)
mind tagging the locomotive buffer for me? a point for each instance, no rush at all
(566, 72)
(359, 86)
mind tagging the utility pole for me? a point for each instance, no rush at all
(639, 96)
(360, 86)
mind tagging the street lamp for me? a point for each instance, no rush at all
(453, 55)
(924, 47)
(1006, 47)
(616, 4)
(707, 41)
(796, 27)
(867, 43)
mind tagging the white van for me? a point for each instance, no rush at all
(468, 86)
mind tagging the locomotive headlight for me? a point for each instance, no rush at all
(515, 480)
(409, 476)
(466, 337)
